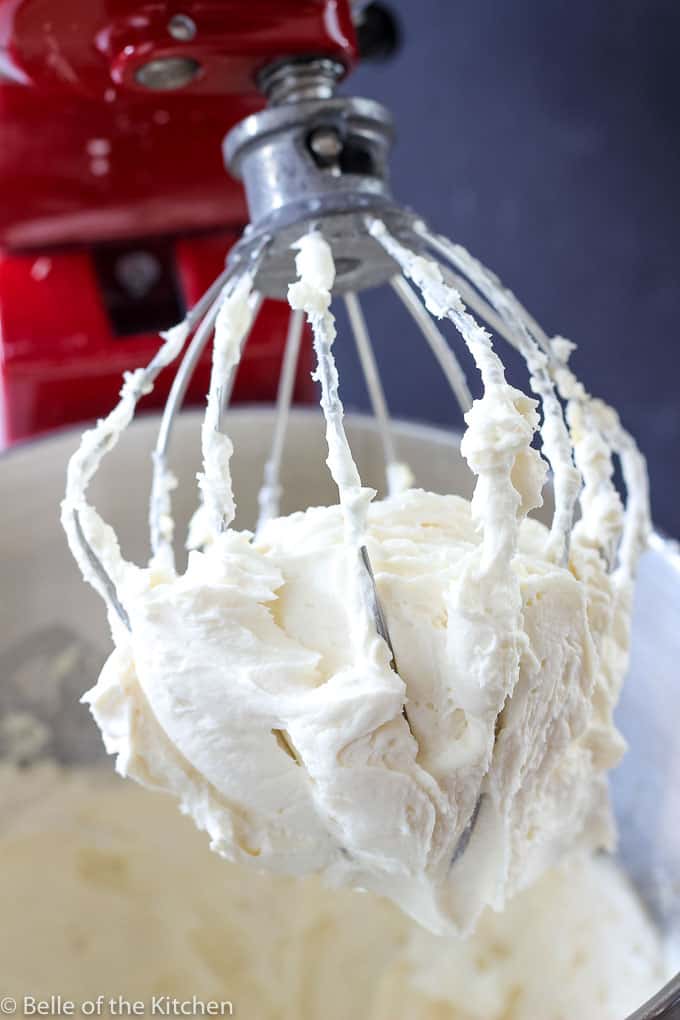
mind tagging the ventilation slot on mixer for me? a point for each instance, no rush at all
(139, 287)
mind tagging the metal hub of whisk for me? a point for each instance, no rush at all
(311, 157)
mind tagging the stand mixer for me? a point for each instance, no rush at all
(312, 161)
(113, 226)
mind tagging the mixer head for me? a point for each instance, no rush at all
(118, 211)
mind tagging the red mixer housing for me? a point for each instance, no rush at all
(116, 209)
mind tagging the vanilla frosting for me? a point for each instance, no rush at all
(77, 847)
(257, 689)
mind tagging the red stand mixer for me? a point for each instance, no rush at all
(118, 211)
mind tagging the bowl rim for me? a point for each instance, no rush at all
(659, 541)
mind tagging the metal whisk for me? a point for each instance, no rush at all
(312, 161)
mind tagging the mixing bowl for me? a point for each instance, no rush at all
(54, 637)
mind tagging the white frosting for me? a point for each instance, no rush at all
(399, 477)
(240, 690)
(232, 325)
(312, 294)
(255, 686)
(557, 446)
(180, 922)
(100, 560)
(576, 944)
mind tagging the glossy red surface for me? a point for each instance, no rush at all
(88, 154)
(72, 45)
(62, 362)
(89, 157)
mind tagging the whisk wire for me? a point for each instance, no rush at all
(269, 495)
(557, 445)
(162, 481)
(446, 358)
(521, 329)
(227, 387)
(110, 590)
(374, 386)
(213, 293)
(235, 318)
(96, 444)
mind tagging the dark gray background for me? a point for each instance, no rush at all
(543, 135)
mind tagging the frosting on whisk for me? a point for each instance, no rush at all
(449, 768)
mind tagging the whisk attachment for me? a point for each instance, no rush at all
(324, 227)
(317, 162)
